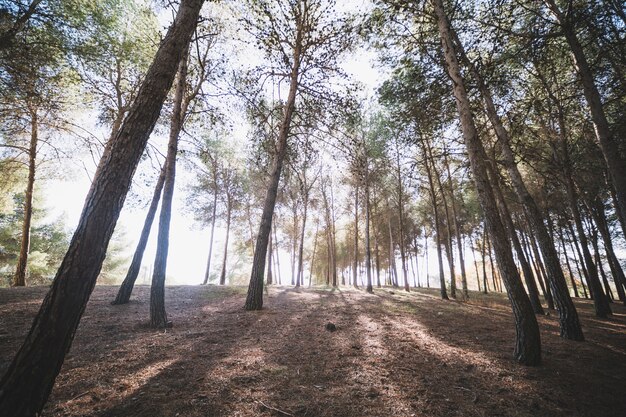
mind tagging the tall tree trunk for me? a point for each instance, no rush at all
(542, 271)
(426, 259)
(527, 345)
(368, 249)
(376, 253)
(433, 199)
(567, 263)
(578, 256)
(448, 237)
(401, 218)
(229, 210)
(294, 243)
(317, 226)
(531, 285)
(333, 237)
(475, 262)
(605, 281)
(270, 250)
(28, 380)
(392, 256)
(484, 255)
(355, 266)
(278, 273)
(300, 277)
(568, 316)
(600, 300)
(208, 261)
(19, 279)
(123, 294)
(254, 298)
(158, 315)
(599, 216)
(608, 144)
(457, 229)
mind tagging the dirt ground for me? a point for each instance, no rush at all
(392, 354)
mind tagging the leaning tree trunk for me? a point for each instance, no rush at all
(607, 141)
(229, 211)
(123, 294)
(531, 285)
(27, 382)
(254, 298)
(597, 212)
(19, 279)
(568, 316)
(270, 249)
(207, 272)
(158, 315)
(600, 301)
(567, 262)
(528, 343)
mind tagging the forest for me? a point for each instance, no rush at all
(312, 208)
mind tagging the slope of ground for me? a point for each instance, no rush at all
(392, 354)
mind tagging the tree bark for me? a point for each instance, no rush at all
(448, 237)
(19, 279)
(126, 289)
(433, 199)
(527, 271)
(599, 216)
(355, 266)
(567, 263)
(457, 229)
(208, 261)
(300, 277)
(608, 144)
(158, 315)
(568, 316)
(27, 382)
(527, 345)
(254, 298)
(600, 301)
(368, 249)
(229, 210)
(270, 249)
(401, 218)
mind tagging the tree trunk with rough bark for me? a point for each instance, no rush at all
(600, 301)
(229, 210)
(607, 141)
(568, 316)
(368, 249)
(599, 216)
(254, 298)
(158, 315)
(433, 200)
(126, 289)
(457, 229)
(527, 271)
(19, 279)
(527, 344)
(28, 380)
(270, 250)
(207, 272)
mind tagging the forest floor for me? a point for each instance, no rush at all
(393, 354)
